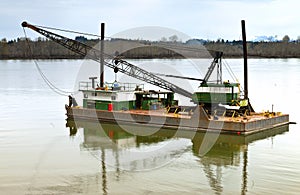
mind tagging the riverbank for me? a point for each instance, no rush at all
(146, 50)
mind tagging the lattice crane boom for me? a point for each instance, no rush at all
(121, 65)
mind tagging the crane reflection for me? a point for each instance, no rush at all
(132, 148)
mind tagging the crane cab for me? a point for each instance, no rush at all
(212, 93)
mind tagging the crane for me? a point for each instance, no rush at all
(118, 64)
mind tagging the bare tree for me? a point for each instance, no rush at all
(286, 39)
(173, 38)
(163, 39)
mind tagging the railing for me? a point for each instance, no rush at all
(116, 86)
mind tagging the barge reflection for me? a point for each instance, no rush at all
(131, 150)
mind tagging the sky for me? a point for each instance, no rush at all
(203, 19)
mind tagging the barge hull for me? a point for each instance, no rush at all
(199, 121)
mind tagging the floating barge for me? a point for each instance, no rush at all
(195, 119)
(221, 107)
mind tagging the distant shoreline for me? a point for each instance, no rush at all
(18, 50)
(227, 57)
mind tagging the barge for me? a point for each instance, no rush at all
(152, 108)
(220, 106)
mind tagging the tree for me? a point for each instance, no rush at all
(173, 38)
(163, 39)
(286, 39)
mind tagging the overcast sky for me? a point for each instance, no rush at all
(206, 19)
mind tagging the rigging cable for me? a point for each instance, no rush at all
(183, 47)
(46, 80)
(70, 31)
(230, 71)
(160, 44)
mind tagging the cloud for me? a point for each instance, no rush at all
(202, 19)
(154, 33)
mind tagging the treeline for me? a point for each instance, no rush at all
(41, 49)
(258, 49)
(45, 49)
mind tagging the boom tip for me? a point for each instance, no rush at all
(24, 24)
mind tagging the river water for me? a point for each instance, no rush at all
(41, 155)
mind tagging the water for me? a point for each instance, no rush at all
(38, 155)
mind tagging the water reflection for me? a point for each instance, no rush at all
(117, 148)
(228, 151)
(130, 150)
